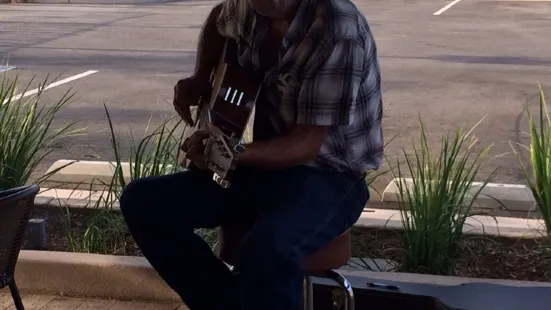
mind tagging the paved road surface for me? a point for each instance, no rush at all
(477, 58)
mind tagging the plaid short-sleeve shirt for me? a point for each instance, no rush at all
(327, 74)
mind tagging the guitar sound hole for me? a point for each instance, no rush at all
(230, 119)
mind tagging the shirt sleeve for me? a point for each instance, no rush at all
(231, 21)
(327, 96)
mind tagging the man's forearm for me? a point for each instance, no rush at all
(298, 148)
(211, 45)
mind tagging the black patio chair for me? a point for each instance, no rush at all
(15, 210)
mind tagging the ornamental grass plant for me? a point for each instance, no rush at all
(27, 131)
(154, 155)
(436, 201)
(538, 176)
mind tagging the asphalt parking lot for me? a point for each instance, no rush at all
(452, 62)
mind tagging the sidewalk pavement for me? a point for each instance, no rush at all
(48, 302)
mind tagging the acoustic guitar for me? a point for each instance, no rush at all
(227, 109)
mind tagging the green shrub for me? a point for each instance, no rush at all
(27, 134)
(154, 154)
(539, 178)
(435, 205)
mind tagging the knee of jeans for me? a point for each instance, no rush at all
(132, 197)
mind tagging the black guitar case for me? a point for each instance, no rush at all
(374, 294)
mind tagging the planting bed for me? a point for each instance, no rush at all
(480, 256)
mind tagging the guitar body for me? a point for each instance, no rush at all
(227, 112)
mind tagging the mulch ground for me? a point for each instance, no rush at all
(479, 256)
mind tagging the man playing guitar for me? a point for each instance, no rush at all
(317, 131)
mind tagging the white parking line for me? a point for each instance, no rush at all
(6, 68)
(55, 84)
(447, 7)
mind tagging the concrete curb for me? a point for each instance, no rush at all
(90, 275)
(495, 199)
(85, 172)
(508, 227)
(75, 198)
(499, 199)
(372, 217)
(133, 278)
(96, 174)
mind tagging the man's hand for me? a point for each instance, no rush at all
(187, 93)
(298, 147)
(194, 148)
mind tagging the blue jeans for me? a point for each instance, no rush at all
(298, 211)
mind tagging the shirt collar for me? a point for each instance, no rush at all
(300, 23)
